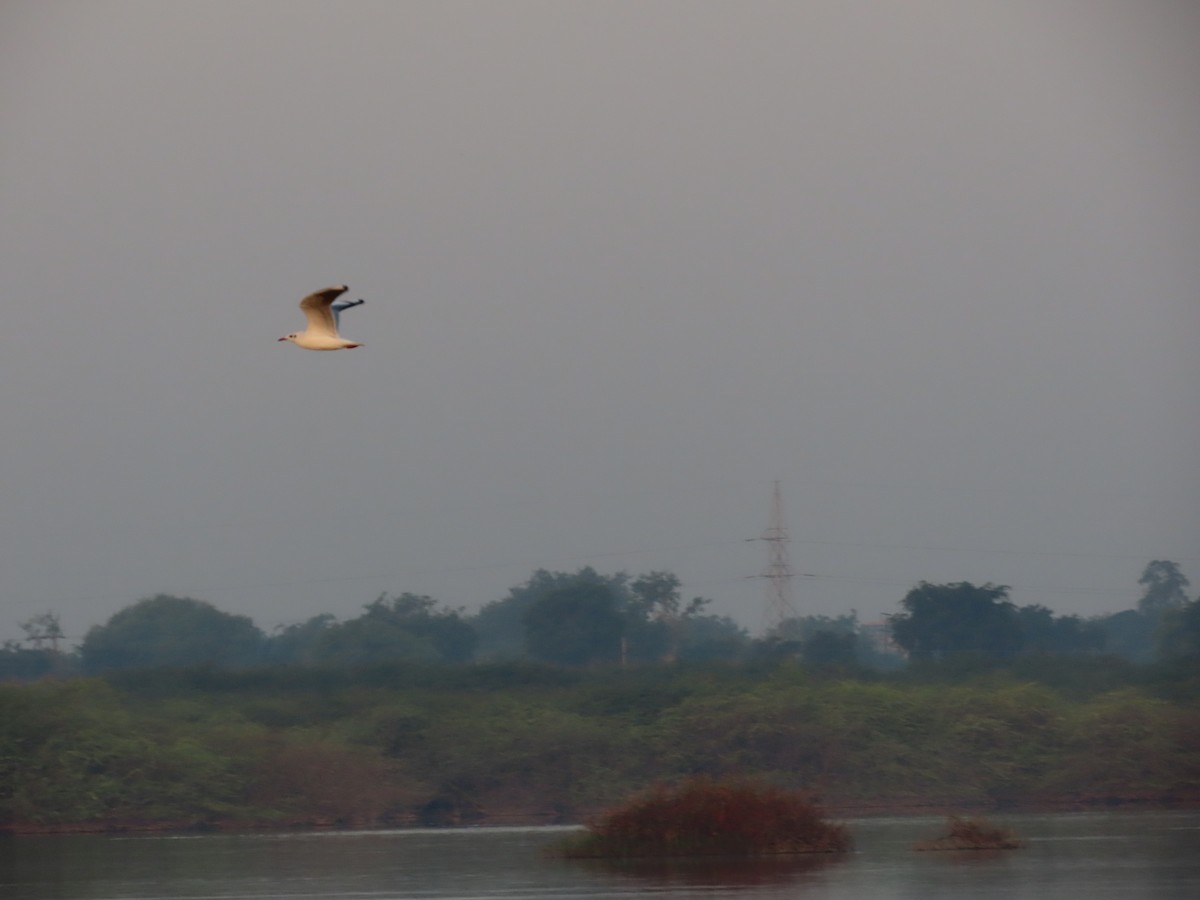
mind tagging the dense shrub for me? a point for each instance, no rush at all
(702, 817)
(972, 834)
(526, 744)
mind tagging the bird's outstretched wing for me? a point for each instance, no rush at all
(338, 308)
(317, 308)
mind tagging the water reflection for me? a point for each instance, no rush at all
(972, 857)
(716, 871)
(1117, 855)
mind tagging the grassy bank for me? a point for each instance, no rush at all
(275, 748)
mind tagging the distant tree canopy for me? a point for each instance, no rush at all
(817, 640)
(407, 627)
(709, 638)
(1129, 634)
(502, 625)
(577, 618)
(945, 620)
(579, 625)
(584, 618)
(42, 657)
(1046, 634)
(171, 631)
(1179, 632)
(1164, 585)
(19, 663)
(1142, 634)
(43, 631)
(830, 648)
(299, 642)
(802, 628)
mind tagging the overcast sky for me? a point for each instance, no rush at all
(935, 266)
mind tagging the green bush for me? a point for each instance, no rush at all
(521, 743)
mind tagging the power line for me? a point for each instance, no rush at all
(939, 548)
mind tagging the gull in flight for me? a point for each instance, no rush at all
(323, 315)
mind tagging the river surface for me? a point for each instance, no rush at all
(1128, 855)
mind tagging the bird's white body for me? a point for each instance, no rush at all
(310, 341)
(323, 314)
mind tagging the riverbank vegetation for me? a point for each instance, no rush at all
(579, 689)
(408, 744)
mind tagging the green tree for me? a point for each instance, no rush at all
(830, 648)
(945, 620)
(405, 627)
(454, 637)
(501, 623)
(171, 631)
(44, 631)
(1129, 634)
(817, 640)
(450, 634)
(1179, 632)
(657, 624)
(656, 617)
(800, 628)
(371, 640)
(1164, 585)
(709, 638)
(576, 626)
(1136, 634)
(1044, 633)
(298, 643)
(19, 663)
(43, 657)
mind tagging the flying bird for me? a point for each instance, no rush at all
(323, 315)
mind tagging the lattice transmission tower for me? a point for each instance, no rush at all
(779, 572)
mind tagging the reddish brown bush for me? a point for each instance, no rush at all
(321, 782)
(705, 818)
(972, 834)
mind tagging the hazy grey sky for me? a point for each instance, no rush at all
(933, 265)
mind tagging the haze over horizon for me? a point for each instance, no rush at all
(932, 265)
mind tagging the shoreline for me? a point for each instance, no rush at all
(836, 811)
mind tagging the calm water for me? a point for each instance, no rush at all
(1093, 856)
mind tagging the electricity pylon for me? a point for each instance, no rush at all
(779, 572)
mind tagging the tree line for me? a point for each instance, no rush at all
(588, 619)
(578, 688)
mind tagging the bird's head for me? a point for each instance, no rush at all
(290, 337)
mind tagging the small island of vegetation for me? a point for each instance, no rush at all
(972, 834)
(704, 817)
